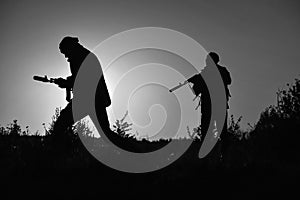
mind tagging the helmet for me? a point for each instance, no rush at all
(214, 56)
(68, 43)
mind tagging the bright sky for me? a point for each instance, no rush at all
(258, 42)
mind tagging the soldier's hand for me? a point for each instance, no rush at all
(62, 83)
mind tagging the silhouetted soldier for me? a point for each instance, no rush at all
(75, 54)
(200, 87)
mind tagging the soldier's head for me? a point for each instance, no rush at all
(212, 57)
(68, 46)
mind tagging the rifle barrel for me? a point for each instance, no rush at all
(40, 78)
(52, 80)
(178, 86)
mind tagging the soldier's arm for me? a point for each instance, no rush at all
(229, 77)
(64, 83)
(194, 78)
(70, 81)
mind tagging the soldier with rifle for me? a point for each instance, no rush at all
(200, 90)
(57, 81)
(75, 54)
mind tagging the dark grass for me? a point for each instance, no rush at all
(262, 162)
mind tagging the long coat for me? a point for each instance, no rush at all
(102, 97)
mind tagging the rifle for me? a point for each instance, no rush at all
(53, 80)
(182, 84)
(178, 86)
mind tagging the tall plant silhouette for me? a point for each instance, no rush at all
(277, 130)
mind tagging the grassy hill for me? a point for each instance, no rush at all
(265, 156)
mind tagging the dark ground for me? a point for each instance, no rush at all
(38, 173)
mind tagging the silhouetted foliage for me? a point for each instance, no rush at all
(14, 129)
(195, 134)
(271, 143)
(277, 130)
(122, 127)
(54, 118)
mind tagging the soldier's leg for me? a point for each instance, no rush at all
(64, 120)
(218, 149)
(60, 139)
(104, 122)
(205, 117)
(224, 140)
(205, 120)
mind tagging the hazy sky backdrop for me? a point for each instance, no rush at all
(258, 42)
